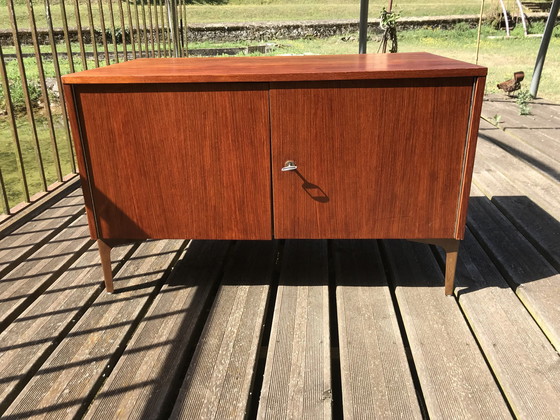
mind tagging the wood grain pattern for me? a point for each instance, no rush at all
(219, 378)
(30, 340)
(27, 239)
(197, 167)
(509, 337)
(376, 379)
(24, 283)
(540, 188)
(456, 382)
(470, 149)
(544, 129)
(297, 377)
(366, 168)
(537, 282)
(154, 359)
(540, 161)
(77, 138)
(65, 339)
(537, 225)
(275, 69)
(66, 381)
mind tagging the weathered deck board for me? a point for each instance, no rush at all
(219, 378)
(142, 380)
(20, 244)
(455, 380)
(538, 226)
(538, 283)
(64, 384)
(376, 379)
(530, 182)
(297, 377)
(59, 346)
(24, 283)
(509, 109)
(539, 133)
(544, 109)
(511, 341)
(519, 149)
(28, 341)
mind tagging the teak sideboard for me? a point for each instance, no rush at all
(312, 147)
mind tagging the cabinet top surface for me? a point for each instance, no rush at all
(277, 69)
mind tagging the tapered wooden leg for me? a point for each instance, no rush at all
(451, 253)
(451, 248)
(105, 254)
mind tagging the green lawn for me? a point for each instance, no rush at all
(9, 164)
(217, 11)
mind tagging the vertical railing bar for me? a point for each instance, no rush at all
(103, 33)
(80, 33)
(13, 125)
(92, 32)
(157, 27)
(25, 88)
(151, 28)
(169, 30)
(174, 26)
(66, 36)
(5, 203)
(163, 31)
(180, 26)
(145, 28)
(112, 23)
(123, 30)
(139, 31)
(131, 25)
(44, 91)
(185, 29)
(59, 83)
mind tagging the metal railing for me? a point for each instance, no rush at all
(40, 43)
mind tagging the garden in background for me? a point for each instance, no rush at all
(502, 55)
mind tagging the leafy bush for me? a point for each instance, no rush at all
(17, 95)
(523, 100)
(118, 35)
(462, 27)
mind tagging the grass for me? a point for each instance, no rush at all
(217, 11)
(9, 164)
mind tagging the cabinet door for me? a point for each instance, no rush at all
(376, 159)
(178, 161)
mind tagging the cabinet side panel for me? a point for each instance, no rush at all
(76, 136)
(179, 160)
(376, 159)
(470, 151)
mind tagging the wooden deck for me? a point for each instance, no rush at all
(299, 329)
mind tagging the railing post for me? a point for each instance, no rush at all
(364, 5)
(544, 48)
(174, 23)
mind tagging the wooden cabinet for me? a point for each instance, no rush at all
(194, 148)
(177, 161)
(376, 159)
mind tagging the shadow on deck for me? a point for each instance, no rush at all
(294, 329)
